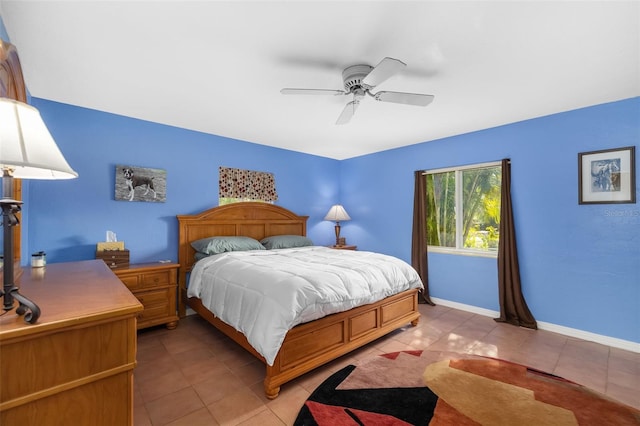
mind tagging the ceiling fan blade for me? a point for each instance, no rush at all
(404, 98)
(348, 112)
(385, 69)
(288, 91)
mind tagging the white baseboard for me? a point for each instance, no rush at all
(467, 308)
(567, 331)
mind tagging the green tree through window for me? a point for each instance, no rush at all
(463, 207)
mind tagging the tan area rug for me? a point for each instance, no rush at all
(436, 388)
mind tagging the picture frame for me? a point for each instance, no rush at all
(140, 184)
(607, 176)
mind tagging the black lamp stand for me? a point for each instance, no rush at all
(10, 208)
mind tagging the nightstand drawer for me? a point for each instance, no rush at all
(156, 305)
(153, 313)
(150, 298)
(139, 281)
(156, 279)
(132, 282)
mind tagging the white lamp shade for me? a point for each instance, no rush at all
(26, 146)
(337, 213)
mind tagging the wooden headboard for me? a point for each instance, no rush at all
(252, 219)
(11, 80)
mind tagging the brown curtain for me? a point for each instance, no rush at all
(419, 235)
(513, 308)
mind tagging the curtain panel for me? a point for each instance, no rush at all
(419, 235)
(247, 185)
(513, 307)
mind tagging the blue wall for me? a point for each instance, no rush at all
(580, 264)
(67, 218)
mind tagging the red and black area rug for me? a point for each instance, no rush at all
(435, 388)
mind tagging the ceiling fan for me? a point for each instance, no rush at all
(360, 80)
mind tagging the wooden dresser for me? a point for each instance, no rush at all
(75, 365)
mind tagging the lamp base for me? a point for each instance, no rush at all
(9, 291)
(26, 307)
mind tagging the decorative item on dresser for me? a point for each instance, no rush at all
(309, 344)
(115, 259)
(155, 286)
(75, 365)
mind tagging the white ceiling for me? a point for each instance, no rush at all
(218, 66)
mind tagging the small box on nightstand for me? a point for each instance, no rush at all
(114, 258)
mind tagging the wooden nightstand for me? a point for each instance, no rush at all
(155, 285)
(346, 247)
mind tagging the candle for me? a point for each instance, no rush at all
(38, 260)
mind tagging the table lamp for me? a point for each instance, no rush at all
(337, 214)
(27, 151)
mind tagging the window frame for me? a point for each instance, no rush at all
(459, 198)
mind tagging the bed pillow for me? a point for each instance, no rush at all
(216, 245)
(285, 241)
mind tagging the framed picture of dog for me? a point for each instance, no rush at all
(607, 176)
(140, 184)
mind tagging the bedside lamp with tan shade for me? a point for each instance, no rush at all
(27, 151)
(337, 214)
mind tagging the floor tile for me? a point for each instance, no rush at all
(173, 406)
(236, 407)
(194, 375)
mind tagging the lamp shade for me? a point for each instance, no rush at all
(337, 213)
(26, 146)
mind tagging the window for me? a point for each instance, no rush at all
(463, 209)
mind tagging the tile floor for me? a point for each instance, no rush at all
(194, 375)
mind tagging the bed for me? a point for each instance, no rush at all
(307, 345)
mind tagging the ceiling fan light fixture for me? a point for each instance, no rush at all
(353, 76)
(359, 80)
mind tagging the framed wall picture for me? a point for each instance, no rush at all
(607, 176)
(140, 184)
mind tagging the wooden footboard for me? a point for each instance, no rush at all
(315, 343)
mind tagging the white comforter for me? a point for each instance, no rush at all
(264, 293)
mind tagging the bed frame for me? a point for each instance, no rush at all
(307, 345)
